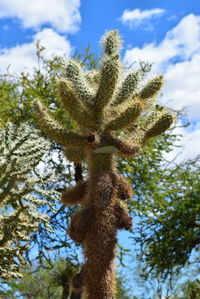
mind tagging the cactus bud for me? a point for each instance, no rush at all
(160, 126)
(126, 118)
(152, 88)
(127, 88)
(111, 42)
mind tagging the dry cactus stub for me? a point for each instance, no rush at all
(103, 102)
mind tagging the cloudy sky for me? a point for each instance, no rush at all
(166, 33)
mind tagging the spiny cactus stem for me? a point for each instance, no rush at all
(100, 242)
(99, 162)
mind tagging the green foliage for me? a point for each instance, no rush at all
(18, 92)
(21, 187)
(122, 290)
(168, 229)
(189, 290)
(34, 285)
(45, 282)
(50, 281)
(175, 220)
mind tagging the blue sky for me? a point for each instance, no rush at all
(166, 33)
(96, 17)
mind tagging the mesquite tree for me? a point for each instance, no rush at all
(106, 105)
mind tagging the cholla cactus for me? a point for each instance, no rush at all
(102, 103)
(21, 189)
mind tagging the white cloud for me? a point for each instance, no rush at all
(177, 56)
(134, 18)
(23, 57)
(181, 42)
(182, 87)
(62, 15)
(190, 144)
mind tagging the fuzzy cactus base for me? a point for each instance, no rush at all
(103, 102)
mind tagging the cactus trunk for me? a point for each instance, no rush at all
(100, 242)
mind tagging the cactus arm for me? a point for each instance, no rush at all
(126, 118)
(76, 109)
(126, 149)
(152, 88)
(129, 149)
(110, 74)
(124, 189)
(74, 73)
(76, 194)
(53, 129)
(127, 88)
(160, 126)
(80, 223)
(123, 220)
(111, 43)
(92, 77)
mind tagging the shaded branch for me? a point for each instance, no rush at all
(76, 194)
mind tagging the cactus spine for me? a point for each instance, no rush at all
(101, 104)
